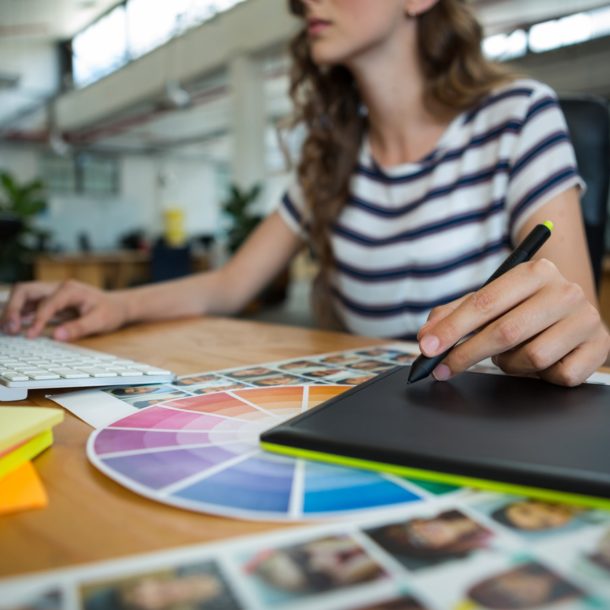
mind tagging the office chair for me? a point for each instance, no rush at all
(589, 126)
(9, 226)
(169, 263)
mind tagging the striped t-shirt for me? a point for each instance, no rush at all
(421, 234)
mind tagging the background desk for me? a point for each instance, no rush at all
(115, 270)
(90, 517)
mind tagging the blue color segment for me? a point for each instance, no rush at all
(334, 488)
(256, 484)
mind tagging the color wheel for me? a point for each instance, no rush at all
(202, 453)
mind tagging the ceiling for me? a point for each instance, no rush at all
(31, 22)
(48, 19)
(61, 19)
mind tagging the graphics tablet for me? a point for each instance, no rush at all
(508, 434)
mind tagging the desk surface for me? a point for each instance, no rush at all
(90, 517)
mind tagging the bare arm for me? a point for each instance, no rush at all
(226, 290)
(222, 291)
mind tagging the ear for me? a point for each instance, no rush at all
(413, 8)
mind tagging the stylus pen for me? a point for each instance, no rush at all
(423, 366)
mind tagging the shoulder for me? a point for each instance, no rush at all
(512, 100)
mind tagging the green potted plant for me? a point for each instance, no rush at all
(20, 203)
(237, 208)
(243, 222)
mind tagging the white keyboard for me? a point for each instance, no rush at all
(28, 364)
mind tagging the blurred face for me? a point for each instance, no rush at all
(341, 31)
(439, 533)
(532, 515)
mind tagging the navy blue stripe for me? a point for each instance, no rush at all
(436, 227)
(493, 99)
(377, 175)
(291, 209)
(424, 271)
(386, 311)
(542, 104)
(539, 190)
(464, 181)
(545, 144)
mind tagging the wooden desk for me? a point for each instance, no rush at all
(90, 517)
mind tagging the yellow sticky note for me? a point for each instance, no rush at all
(22, 489)
(24, 452)
(18, 424)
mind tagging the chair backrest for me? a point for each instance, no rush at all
(9, 226)
(589, 125)
(169, 263)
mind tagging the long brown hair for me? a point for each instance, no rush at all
(327, 102)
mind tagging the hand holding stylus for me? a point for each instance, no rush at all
(530, 319)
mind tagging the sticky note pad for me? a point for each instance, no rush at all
(22, 489)
(18, 424)
(11, 459)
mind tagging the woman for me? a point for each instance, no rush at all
(423, 165)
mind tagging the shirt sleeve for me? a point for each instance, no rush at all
(293, 211)
(543, 163)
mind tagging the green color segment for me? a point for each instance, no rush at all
(549, 224)
(441, 477)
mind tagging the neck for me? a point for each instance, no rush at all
(392, 87)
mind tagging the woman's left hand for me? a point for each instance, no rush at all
(531, 321)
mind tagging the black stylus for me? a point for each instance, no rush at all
(423, 366)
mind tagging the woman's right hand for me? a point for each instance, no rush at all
(33, 305)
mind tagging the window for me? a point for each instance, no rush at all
(101, 48)
(58, 174)
(84, 173)
(97, 175)
(134, 28)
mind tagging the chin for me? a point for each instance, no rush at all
(324, 55)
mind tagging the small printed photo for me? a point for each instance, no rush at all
(145, 395)
(350, 379)
(340, 359)
(536, 519)
(223, 386)
(405, 602)
(49, 600)
(250, 373)
(138, 390)
(287, 574)
(195, 380)
(375, 366)
(273, 380)
(403, 358)
(422, 543)
(529, 585)
(300, 366)
(326, 373)
(194, 587)
(379, 352)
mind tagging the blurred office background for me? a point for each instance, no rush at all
(143, 139)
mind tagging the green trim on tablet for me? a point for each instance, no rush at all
(439, 477)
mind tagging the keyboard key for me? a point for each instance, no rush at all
(13, 376)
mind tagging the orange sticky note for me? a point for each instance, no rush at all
(22, 489)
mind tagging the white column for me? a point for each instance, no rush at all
(248, 121)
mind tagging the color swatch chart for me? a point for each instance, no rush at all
(202, 453)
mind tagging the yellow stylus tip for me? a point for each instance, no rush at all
(548, 224)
